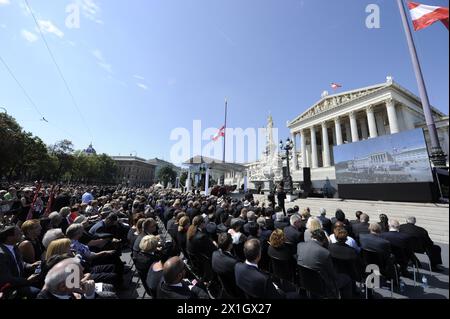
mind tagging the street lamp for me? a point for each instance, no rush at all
(288, 146)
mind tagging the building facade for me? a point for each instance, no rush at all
(134, 171)
(159, 163)
(348, 117)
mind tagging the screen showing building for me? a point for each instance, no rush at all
(395, 158)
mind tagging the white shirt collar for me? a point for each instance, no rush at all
(251, 264)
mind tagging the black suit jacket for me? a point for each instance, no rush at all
(166, 291)
(360, 228)
(255, 283)
(9, 272)
(311, 254)
(401, 243)
(375, 243)
(326, 223)
(223, 262)
(423, 241)
(293, 235)
(201, 244)
(342, 251)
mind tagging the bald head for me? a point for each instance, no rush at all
(173, 270)
(68, 271)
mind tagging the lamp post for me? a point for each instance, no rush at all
(288, 146)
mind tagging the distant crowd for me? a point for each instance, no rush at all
(192, 246)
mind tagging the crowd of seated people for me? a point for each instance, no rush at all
(191, 246)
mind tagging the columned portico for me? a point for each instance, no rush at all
(337, 127)
(303, 148)
(371, 122)
(392, 116)
(314, 158)
(325, 146)
(354, 127)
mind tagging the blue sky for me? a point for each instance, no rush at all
(140, 68)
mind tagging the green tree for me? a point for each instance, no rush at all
(166, 174)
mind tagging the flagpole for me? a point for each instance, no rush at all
(225, 130)
(437, 155)
(225, 136)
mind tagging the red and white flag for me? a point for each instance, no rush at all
(219, 134)
(335, 86)
(424, 16)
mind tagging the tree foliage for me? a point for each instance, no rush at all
(26, 157)
(167, 174)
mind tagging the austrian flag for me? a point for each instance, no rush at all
(219, 134)
(335, 86)
(424, 16)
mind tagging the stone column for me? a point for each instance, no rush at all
(348, 132)
(337, 126)
(371, 121)
(188, 181)
(303, 148)
(325, 146)
(294, 151)
(362, 124)
(392, 116)
(207, 182)
(354, 127)
(314, 159)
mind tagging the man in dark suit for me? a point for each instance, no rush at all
(422, 242)
(149, 227)
(13, 270)
(362, 227)
(401, 245)
(281, 221)
(281, 197)
(250, 279)
(326, 222)
(223, 263)
(175, 286)
(315, 255)
(374, 242)
(292, 232)
(358, 215)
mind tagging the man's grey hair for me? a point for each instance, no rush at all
(393, 224)
(74, 230)
(364, 218)
(294, 218)
(60, 273)
(279, 216)
(54, 216)
(261, 221)
(51, 235)
(411, 220)
(251, 216)
(322, 211)
(65, 211)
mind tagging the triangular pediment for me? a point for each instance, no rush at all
(329, 102)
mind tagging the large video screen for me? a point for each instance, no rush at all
(395, 158)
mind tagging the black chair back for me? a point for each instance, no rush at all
(283, 269)
(229, 288)
(350, 267)
(311, 280)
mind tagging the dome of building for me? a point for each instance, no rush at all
(90, 150)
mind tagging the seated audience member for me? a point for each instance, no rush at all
(362, 227)
(65, 218)
(422, 242)
(401, 245)
(340, 217)
(251, 220)
(155, 273)
(13, 270)
(149, 227)
(56, 287)
(277, 246)
(110, 225)
(135, 230)
(305, 215)
(147, 255)
(350, 241)
(326, 222)
(312, 225)
(238, 238)
(198, 242)
(175, 285)
(250, 279)
(281, 221)
(55, 220)
(292, 232)
(31, 247)
(384, 223)
(181, 235)
(223, 262)
(357, 215)
(51, 235)
(314, 254)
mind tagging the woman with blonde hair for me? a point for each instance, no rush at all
(58, 247)
(312, 224)
(31, 248)
(181, 238)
